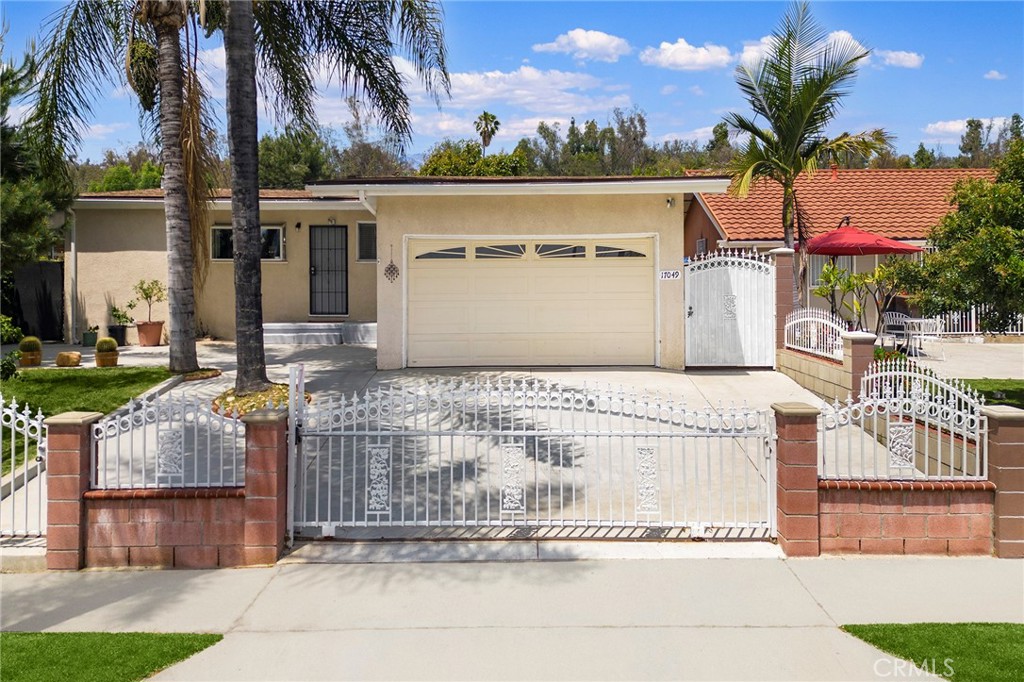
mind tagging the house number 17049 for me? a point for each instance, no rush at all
(671, 274)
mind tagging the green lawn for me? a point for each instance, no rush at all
(979, 652)
(93, 656)
(92, 389)
(1013, 388)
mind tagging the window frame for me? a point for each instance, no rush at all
(271, 226)
(359, 242)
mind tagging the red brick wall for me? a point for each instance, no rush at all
(165, 529)
(863, 517)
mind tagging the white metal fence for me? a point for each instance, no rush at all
(908, 424)
(170, 441)
(527, 453)
(23, 454)
(815, 331)
(965, 323)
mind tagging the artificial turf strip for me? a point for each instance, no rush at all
(90, 389)
(93, 656)
(1013, 389)
(975, 652)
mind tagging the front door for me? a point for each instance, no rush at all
(328, 270)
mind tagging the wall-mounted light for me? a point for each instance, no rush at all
(331, 220)
(298, 226)
(670, 202)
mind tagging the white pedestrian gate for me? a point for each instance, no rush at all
(526, 454)
(730, 310)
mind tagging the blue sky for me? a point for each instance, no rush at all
(934, 65)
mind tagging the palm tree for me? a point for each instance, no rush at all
(86, 39)
(797, 87)
(487, 125)
(355, 41)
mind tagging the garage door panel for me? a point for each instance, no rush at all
(531, 310)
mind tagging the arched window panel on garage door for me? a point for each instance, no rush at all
(560, 250)
(490, 251)
(619, 251)
(455, 252)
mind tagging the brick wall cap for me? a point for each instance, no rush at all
(274, 416)
(1004, 413)
(782, 251)
(859, 336)
(796, 409)
(73, 419)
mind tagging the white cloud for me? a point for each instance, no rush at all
(668, 89)
(681, 56)
(950, 131)
(994, 75)
(753, 50)
(906, 60)
(17, 113)
(99, 131)
(584, 44)
(702, 134)
(847, 37)
(696, 90)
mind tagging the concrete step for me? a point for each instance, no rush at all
(320, 333)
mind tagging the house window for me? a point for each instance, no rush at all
(501, 251)
(815, 264)
(702, 246)
(617, 252)
(272, 247)
(368, 241)
(561, 250)
(457, 252)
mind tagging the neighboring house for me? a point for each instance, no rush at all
(454, 271)
(902, 204)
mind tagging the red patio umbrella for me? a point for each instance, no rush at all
(847, 240)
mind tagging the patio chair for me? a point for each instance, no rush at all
(894, 326)
(929, 330)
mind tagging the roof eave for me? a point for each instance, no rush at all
(670, 186)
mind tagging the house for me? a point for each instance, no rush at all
(901, 204)
(454, 271)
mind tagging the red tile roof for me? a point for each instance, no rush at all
(895, 203)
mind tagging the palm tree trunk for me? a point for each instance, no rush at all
(240, 49)
(167, 20)
(788, 224)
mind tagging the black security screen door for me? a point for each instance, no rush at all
(328, 270)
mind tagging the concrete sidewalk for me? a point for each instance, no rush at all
(571, 618)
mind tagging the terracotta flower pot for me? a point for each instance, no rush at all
(150, 333)
(107, 359)
(29, 359)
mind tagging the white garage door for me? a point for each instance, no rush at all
(531, 302)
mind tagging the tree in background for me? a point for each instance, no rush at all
(923, 158)
(979, 257)
(121, 177)
(487, 125)
(296, 157)
(464, 158)
(33, 190)
(973, 144)
(365, 157)
(797, 87)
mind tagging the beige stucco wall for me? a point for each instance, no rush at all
(399, 217)
(117, 248)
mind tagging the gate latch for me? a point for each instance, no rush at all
(689, 311)
(312, 269)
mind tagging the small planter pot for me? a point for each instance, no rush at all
(150, 333)
(89, 339)
(117, 332)
(28, 359)
(107, 359)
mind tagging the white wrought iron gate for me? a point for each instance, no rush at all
(730, 310)
(530, 454)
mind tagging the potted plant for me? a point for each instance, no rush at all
(151, 291)
(106, 352)
(90, 335)
(31, 349)
(122, 318)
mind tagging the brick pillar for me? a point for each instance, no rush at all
(797, 478)
(68, 465)
(1006, 470)
(784, 264)
(858, 353)
(266, 485)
